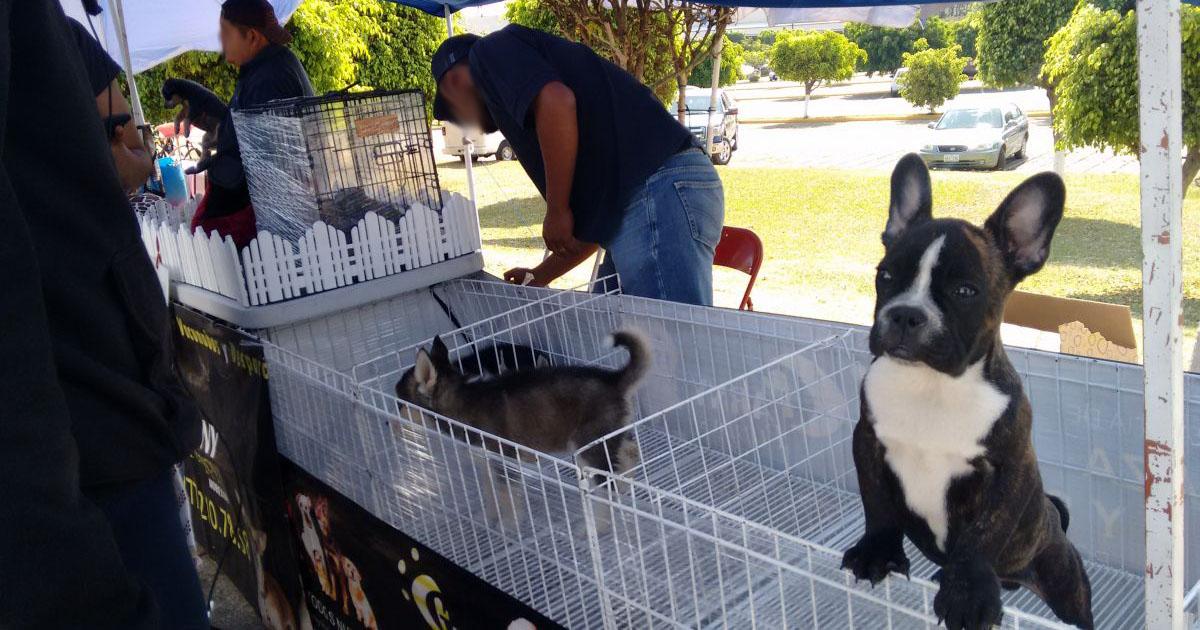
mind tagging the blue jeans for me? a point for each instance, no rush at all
(669, 231)
(145, 522)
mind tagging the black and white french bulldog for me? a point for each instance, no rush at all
(943, 448)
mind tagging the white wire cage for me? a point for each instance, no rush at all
(747, 497)
(743, 425)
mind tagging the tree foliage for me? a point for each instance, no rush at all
(964, 32)
(732, 58)
(1092, 61)
(369, 43)
(933, 76)
(885, 45)
(533, 14)
(1011, 43)
(812, 57)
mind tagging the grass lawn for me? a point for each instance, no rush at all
(820, 230)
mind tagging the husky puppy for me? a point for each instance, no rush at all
(550, 409)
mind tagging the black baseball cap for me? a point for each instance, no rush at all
(452, 51)
(258, 15)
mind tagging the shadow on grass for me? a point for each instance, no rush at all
(513, 213)
(1097, 243)
(530, 242)
(1132, 297)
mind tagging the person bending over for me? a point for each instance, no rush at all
(616, 170)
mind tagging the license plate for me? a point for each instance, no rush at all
(950, 157)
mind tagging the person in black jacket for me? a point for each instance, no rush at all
(253, 40)
(92, 414)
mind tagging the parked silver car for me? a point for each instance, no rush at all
(722, 124)
(977, 137)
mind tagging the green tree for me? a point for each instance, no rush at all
(330, 37)
(1011, 44)
(732, 58)
(814, 56)
(369, 43)
(964, 32)
(767, 37)
(398, 54)
(936, 32)
(533, 14)
(885, 47)
(933, 76)
(1092, 61)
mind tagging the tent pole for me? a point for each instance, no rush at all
(1161, 190)
(135, 101)
(468, 146)
(713, 95)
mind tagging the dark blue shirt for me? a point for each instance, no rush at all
(274, 74)
(625, 132)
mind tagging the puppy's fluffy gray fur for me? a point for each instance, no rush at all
(550, 409)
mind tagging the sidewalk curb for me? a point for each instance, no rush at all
(816, 120)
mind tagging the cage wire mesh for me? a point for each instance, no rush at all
(336, 157)
(745, 496)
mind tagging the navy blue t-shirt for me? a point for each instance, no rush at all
(625, 132)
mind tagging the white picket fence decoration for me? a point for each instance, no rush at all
(271, 269)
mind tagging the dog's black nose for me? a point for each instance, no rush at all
(907, 318)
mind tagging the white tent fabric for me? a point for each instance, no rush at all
(161, 29)
(896, 15)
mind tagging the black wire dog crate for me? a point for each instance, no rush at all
(334, 158)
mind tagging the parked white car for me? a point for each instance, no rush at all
(896, 80)
(485, 145)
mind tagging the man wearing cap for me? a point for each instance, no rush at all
(615, 168)
(252, 40)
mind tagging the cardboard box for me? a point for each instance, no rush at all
(1085, 328)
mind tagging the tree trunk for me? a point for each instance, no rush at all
(1060, 156)
(1191, 168)
(807, 93)
(681, 83)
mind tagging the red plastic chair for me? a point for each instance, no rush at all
(740, 249)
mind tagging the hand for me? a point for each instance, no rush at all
(134, 164)
(558, 233)
(524, 277)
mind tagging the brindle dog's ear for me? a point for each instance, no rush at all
(912, 198)
(1025, 221)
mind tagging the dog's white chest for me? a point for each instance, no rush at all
(931, 425)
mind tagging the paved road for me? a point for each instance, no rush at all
(863, 97)
(877, 145)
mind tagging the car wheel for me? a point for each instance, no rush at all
(1002, 159)
(1020, 155)
(723, 155)
(505, 151)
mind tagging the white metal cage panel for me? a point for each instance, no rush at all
(772, 448)
(514, 519)
(743, 426)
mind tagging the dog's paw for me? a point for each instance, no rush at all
(876, 555)
(968, 597)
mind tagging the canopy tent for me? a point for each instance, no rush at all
(1160, 123)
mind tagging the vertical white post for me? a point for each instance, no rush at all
(468, 147)
(1161, 129)
(716, 86)
(135, 101)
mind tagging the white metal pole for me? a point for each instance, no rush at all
(135, 102)
(1161, 130)
(466, 133)
(716, 86)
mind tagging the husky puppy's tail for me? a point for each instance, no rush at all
(639, 358)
